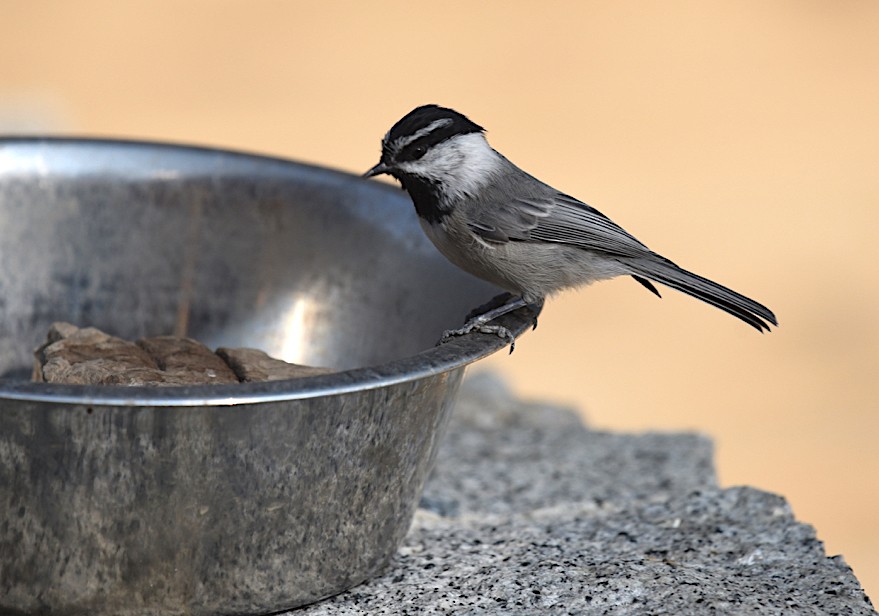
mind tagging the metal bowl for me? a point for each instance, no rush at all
(236, 499)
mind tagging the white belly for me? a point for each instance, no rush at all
(531, 269)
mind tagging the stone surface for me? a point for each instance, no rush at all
(188, 359)
(254, 365)
(529, 512)
(88, 356)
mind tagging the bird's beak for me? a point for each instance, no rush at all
(377, 170)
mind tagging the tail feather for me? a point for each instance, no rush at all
(665, 272)
(647, 285)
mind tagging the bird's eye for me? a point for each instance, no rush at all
(418, 152)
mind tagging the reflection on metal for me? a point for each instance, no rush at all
(298, 319)
(216, 499)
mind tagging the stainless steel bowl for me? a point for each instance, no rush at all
(239, 499)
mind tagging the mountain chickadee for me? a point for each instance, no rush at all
(500, 224)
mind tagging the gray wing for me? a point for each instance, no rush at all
(547, 215)
(533, 211)
(558, 218)
(569, 221)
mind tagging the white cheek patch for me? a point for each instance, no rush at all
(462, 164)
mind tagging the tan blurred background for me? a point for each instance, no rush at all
(741, 139)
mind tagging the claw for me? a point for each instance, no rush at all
(498, 330)
(535, 309)
(479, 319)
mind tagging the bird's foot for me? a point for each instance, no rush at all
(479, 319)
(481, 328)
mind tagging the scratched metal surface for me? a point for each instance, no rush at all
(216, 499)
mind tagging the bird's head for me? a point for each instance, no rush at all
(438, 147)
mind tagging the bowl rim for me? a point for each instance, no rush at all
(454, 354)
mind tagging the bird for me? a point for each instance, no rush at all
(503, 225)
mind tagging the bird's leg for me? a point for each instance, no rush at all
(495, 302)
(479, 323)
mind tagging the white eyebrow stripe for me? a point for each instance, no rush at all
(402, 142)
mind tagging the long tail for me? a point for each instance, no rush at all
(665, 272)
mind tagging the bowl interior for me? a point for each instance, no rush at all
(310, 265)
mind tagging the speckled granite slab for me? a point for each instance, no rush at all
(529, 512)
